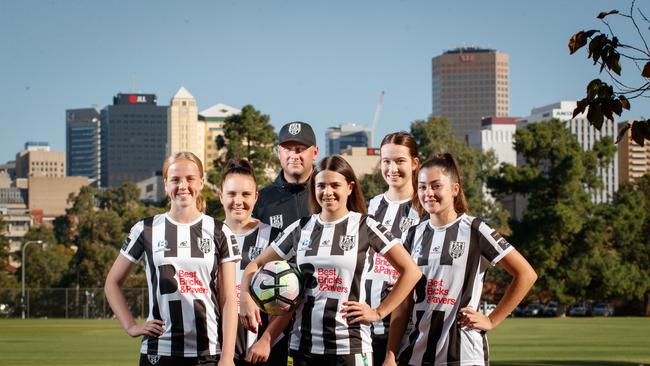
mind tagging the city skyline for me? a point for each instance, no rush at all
(324, 63)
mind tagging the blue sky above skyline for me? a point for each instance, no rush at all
(320, 62)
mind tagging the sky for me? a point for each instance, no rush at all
(323, 62)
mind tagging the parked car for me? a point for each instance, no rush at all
(602, 309)
(518, 312)
(550, 309)
(579, 309)
(486, 308)
(534, 309)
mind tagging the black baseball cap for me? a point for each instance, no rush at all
(299, 132)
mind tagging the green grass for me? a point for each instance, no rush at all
(517, 342)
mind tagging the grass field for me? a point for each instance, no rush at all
(517, 342)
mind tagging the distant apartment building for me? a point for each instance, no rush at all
(468, 84)
(347, 135)
(37, 160)
(83, 143)
(210, 127)
(363, 160)
(133, 139)
(633, 159)
(183, 130)
(586, 135)
(50, 194)
(497, 134)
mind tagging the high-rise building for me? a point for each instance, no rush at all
(347, 135)
(587, 135)
(83, 146)
(37, 160)
(182, 124)
(211, 126)
(633, 159)
(470, 83)
(497, 134)
(133, 139)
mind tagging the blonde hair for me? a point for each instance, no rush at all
(186, 155)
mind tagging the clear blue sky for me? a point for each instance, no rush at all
(324, 62)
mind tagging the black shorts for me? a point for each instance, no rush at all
(155, 360)
(309, 359)
(277, 357)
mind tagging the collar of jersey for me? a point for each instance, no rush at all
(257, 225)
(324, 223)
(395, 202)
(183, 224)
(439, 228)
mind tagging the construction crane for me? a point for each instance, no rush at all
(380, 102)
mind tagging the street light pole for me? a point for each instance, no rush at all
(22, 266)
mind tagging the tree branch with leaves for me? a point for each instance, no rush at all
(604, 99)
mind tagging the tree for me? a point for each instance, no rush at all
(434, 137)
(46, 265)
(559, 231)
(603, 99)
(373, 184)
(4, 246)
(249, 135)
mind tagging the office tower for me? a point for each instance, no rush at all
(633, 159)
(468, 84)
(586, 135)
(37, 160)
(345, 136)
(182, 124)
(211, 126)
(82, 146)
(133, 139)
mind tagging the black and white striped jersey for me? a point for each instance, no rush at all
(182, 263)
(398, 216)
(334, 258)
(454, 259)
(253, 243)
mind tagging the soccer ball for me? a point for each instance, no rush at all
(277, 287)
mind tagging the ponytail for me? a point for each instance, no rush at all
(449, 165)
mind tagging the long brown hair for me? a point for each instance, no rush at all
(186, 155)
(449, 166)
(336, 163)
(404, 138)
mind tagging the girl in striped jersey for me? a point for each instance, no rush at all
(453, 250)
(332, 248)
(238, 197)
(188, 255)
(397, 210)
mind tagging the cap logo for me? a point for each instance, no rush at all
(294, 128)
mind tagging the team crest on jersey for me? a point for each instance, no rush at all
(405, 223)
(153, 359)
(304, 245)
(347, 242)
(456, 249)
(162, 245)
(276, 221)
(294, 128)
(205, 245)
(253, 252)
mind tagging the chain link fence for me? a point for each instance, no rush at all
(68, 303)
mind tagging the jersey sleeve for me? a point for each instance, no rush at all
(379, 237)
(227, 248)
(492, 245)
(133, 247)
(286, 243)
(410, 238)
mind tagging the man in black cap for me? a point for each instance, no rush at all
(287, 199)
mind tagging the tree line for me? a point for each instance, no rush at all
(580, 249)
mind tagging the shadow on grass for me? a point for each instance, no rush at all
(564, 363)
